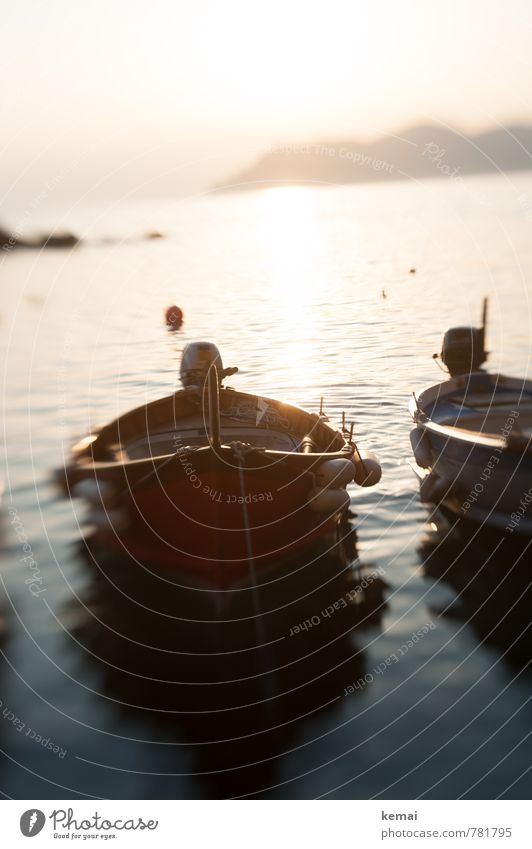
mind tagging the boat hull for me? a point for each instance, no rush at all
(473, 449)
(208, 526)
(211, 516)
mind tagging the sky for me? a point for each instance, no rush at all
(171, 95)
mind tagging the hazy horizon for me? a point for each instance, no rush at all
(170, 98)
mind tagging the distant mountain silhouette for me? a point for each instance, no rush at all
(418, 152)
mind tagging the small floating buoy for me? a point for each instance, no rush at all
(174, 317)
(412, 271)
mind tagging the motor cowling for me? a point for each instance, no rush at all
(463, 350)
(196, 360)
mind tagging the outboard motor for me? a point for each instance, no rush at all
(195, 363)
(463, 348)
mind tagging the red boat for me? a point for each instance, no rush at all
(215, 485)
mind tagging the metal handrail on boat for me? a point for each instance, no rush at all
(298, 459)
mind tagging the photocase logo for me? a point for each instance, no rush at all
(32, 822)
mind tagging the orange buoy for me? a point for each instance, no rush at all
(174, 317)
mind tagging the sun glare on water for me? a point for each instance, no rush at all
(290, 242)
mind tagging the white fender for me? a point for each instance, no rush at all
(433, 488)
(328, 500)
(335, 473)
(368, 471)
(96, 492)
(421, 447)
(118, 520)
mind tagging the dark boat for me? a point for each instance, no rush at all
(473, 438)
(214, 485)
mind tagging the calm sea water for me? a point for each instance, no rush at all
(309, 292)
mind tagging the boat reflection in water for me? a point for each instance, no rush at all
(233, 691)
(490, 575)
